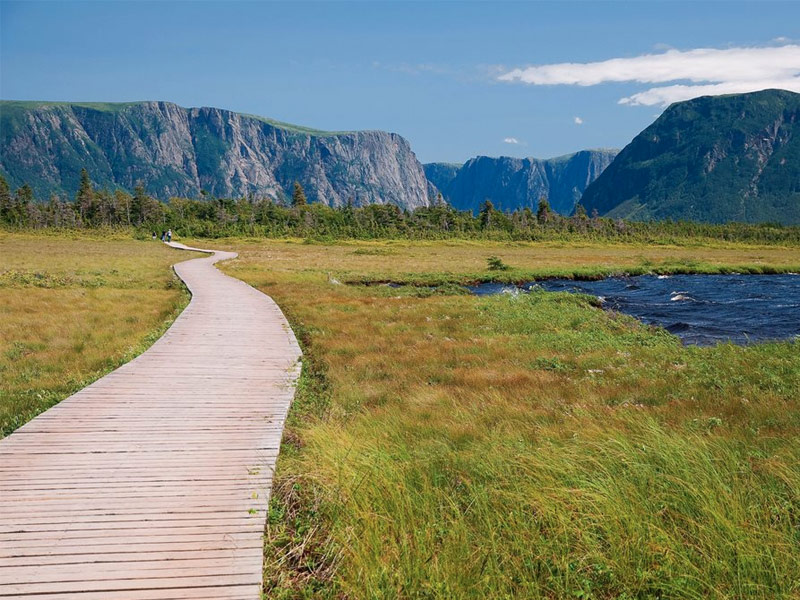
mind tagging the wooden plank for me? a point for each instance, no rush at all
(144, 547)
(229, 592)
(126, 557)
(110, 586)
(152, 483)
(135, 569)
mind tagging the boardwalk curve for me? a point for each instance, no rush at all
(152, 483)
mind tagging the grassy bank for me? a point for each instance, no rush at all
(73, 307)
(450, 446)
(465, 261)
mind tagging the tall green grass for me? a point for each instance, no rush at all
(448, 446)
(621, 509)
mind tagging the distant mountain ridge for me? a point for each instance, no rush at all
(514, 183)
(440, 174)
(176, 151)
(713, 159)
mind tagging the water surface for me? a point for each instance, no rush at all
(700, 309)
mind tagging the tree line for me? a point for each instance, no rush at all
(295, 217)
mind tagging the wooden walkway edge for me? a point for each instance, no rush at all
(152, 483)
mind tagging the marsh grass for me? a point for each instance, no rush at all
(450, 446)
(465, 261)
(74, 308)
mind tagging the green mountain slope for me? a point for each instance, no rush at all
(713, 159)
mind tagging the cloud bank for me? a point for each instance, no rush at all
(511, 140)
(708, 71)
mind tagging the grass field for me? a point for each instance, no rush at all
(448, 446)
(74, 308)
(466, 261)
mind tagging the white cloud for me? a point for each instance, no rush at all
(675, 93)
(511, 140)
(709, 71)
(578, 121)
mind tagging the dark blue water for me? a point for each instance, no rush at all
(700, 309)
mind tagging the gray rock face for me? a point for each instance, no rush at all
(512, 183)
(440, 174)
(175, 151)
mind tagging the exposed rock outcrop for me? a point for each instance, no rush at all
(441, 174)
(512, 183)
(175, 151)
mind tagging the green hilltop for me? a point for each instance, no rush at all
(714, 159)
(10, 110)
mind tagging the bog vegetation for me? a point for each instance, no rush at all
(211, 217)
(448, 446)
(74, 308)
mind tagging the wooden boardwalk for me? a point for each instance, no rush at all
(153, 482)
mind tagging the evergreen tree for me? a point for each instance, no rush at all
(543, 213)
(122, 207)
(298, 195)
(104, 209)
(528, 214)
(5, 201)
(138, 205)
(53, 212)
(22, 205)
(85, 197)
(485, 216)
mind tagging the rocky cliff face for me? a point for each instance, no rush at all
(715, 159)
(441, 174)
(175, 151)
(512, 183)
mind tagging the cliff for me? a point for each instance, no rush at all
(176, 151)
(512, 183)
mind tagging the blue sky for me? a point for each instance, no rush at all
(454, 78)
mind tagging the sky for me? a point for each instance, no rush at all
(456, 79)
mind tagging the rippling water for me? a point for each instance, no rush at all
(701, 309)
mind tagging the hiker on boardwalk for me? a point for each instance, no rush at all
(169, 235)
(163, 235)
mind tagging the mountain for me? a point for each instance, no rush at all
(440, 174)
(713, 159)
(176, 151)
(512, 183)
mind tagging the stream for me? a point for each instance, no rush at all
(700, 309)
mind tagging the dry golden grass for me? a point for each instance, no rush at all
(74, 308)
(402, 259)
